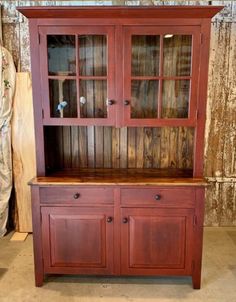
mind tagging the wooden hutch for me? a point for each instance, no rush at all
(119, 107)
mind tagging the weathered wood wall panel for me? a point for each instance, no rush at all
(220, 152)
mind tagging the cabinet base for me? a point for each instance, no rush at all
(39, 280)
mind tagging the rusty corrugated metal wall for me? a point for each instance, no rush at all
(220, 151)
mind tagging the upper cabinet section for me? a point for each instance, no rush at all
(114, 66)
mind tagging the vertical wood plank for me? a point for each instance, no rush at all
(107, 147)
(173, 146)
(91, 146)
(131, 147)
(148, 156)
(115, 148)
(156, 147)
(83, 147)
(67, 147)
(123, 147)
(74, 147)
(182, 148)
(23, 149)
(164, 152)
(139, 147)
(99, 147)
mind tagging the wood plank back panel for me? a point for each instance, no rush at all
(108, 147)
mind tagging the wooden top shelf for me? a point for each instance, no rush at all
(121, 12)
(120, 177)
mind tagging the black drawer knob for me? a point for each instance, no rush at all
(110, 102)
(158, 197)
(76, 196)
(109, 219)
(125, 220)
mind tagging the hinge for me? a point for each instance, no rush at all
(197, 114)
(39, 38)
(201, 38)
(42, 113)
(194, 220)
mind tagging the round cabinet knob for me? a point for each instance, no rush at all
(126, 102)
(125, 220)
(109, 219)
(76, 196)
(110, 102)
(158, 197)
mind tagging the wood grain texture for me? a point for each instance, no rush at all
(220, 151)
(220, 117)
(108, 147)
(221, 124)
(127, 177)
(23, 144)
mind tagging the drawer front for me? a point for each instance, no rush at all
(76, 195)
(159, 197)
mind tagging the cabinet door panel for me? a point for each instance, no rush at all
(160, 65)
(78, 75)
(156, 241)
(78, 239)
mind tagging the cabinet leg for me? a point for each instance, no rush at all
(196, 280)
(39, 279)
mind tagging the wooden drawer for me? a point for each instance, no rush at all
(160, 197)
(80, 195)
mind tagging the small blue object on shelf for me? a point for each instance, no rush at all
(61, 105)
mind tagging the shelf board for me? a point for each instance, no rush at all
(120, 177)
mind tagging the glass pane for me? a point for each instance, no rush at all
(145, 55)
(63, 99)
(93, 98)
(175, 99)
(93, 55)
(177, 55)
(61, 55)
(144, 99)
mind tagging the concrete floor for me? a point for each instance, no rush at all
(218, 279)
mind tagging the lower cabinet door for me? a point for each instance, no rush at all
(77, 240)
(156, 241)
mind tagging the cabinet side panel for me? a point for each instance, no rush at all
(38, 122)
(198, 238)
(202, 97)
(37, 237)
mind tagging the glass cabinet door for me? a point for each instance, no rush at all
(159, 68)
(78, 79)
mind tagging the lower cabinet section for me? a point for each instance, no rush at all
(77, 239)
(120, 237)
(156, 241)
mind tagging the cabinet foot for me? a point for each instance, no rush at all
(39, 280)
(196, 280)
